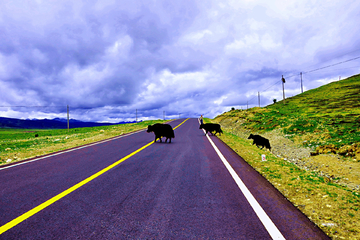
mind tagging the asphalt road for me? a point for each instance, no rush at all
(180, 190)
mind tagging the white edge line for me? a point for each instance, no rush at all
(73, 149)
(264, 218)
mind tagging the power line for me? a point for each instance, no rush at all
(298, 74)
(271, 85)
(337, 69)
(286, 77)
(332, 65)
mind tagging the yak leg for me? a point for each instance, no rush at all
(157, 137)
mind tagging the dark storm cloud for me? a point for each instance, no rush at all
(105, 59)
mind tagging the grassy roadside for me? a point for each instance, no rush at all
(19, 144)
(315, 156)
(334, 208)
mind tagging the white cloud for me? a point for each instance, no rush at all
(197, 37)
(120, 49)
(176, 56)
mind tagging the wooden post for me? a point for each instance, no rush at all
(283, 82)
(302, 90)
(68, 125)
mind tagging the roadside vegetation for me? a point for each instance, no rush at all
(315, 157)
(20, 144)
(314, 162)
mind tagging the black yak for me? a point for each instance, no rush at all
(260, 141)
(161, 130)
(211, 127)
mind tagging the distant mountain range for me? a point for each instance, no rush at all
(56, 123)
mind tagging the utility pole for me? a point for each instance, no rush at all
(283, 82)
(302, 90)
(247, 105)
(259, 98)
(136, 116)
(68, 125)
(164, 114)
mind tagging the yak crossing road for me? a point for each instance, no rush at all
(161, 130)
(211, 127)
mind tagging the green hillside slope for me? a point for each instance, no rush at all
(327, 119)
(315, 152)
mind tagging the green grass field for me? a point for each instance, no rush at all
(325, 121)
(20, 144)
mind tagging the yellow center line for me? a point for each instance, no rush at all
(37, 209)
(181, 123)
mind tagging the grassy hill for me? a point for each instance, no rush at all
(315, 157)
(327, 119)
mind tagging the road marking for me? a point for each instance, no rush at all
(77, 148)
(264, 218)
(52, 200)
(181, 123)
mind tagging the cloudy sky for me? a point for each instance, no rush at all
(105, 59)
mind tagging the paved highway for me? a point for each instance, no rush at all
(131, 188)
